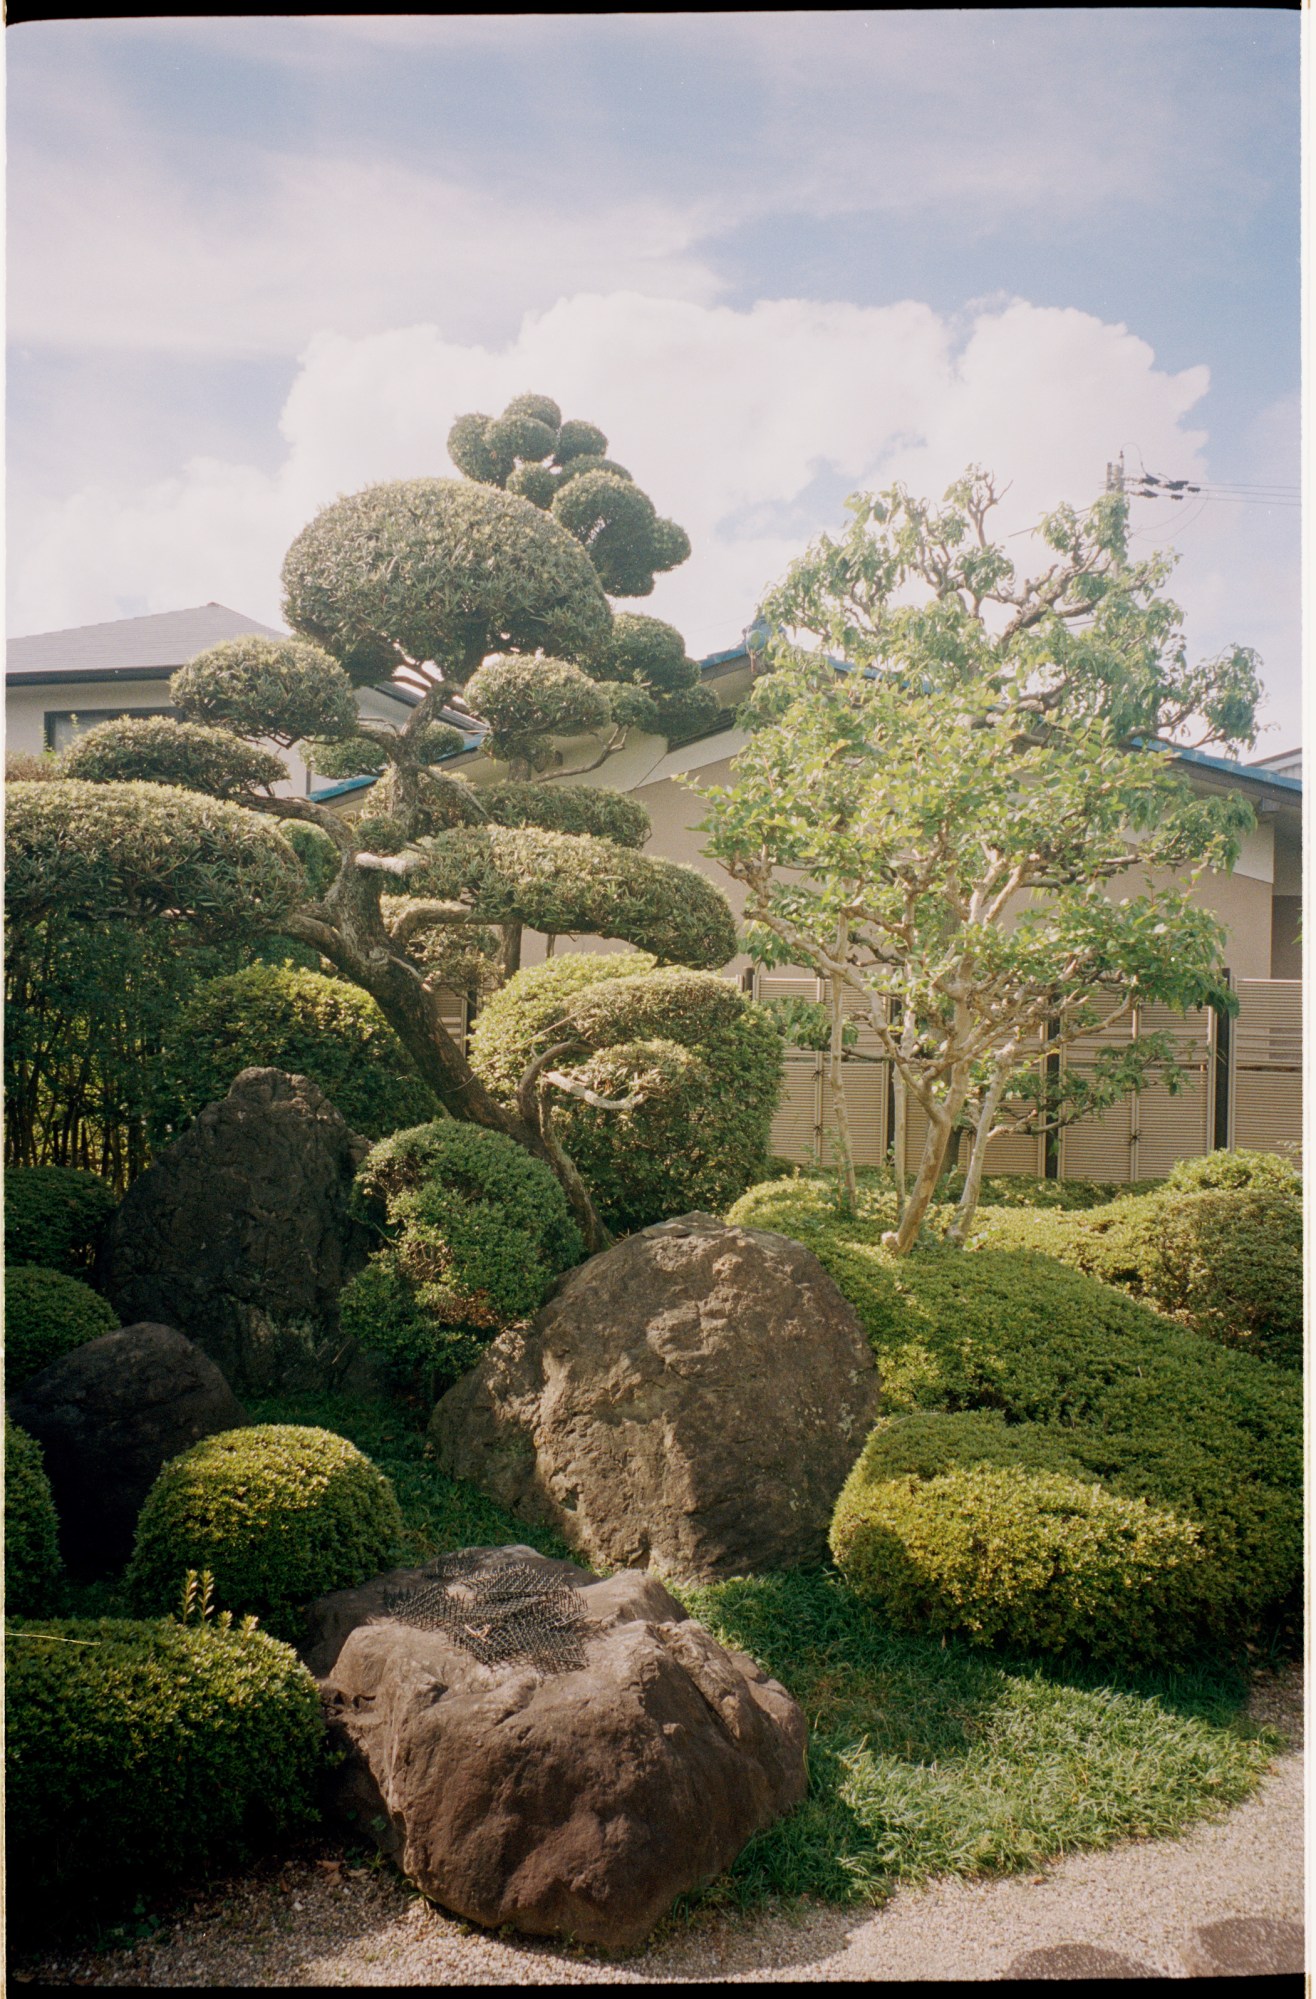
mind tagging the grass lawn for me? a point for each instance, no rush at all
(924, 1757)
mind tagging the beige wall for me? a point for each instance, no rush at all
(26, 709)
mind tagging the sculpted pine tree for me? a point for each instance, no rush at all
(976, 829)
(493, 591)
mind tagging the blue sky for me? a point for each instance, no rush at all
(256, 262)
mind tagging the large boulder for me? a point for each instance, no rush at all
(108, 1416)
(539, 1748)
(690, 1401)
(240, 1234)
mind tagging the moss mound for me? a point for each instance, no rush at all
(46, 1315)
(278, 1514)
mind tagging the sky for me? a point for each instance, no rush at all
(258, 262)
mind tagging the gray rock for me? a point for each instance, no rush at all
(690, 1401)
(576, 1802)
(108, 1415)
(240, 1234)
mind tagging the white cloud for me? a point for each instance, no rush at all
(112, 250)
(743, 425)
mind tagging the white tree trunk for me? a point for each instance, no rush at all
(846, 1184)
(968, 1202)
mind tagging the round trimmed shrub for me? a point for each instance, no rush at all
(141, 1753)
(1226, 1261)
(278, 1514)
(418, 1351)
(705, 1062)
(478, 1231)
(1231, 1264)
(33, 1568)
(271, 1016)
(55, 1216)
(46, 1315)
(1235, 1169)
(964, 1523)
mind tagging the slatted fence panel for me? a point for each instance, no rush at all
(1266, 1066)
(1176, 1127)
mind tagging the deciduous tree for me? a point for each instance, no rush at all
(970, 823)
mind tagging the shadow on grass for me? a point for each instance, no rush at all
(930, 1757)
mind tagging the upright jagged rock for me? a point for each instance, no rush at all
(240, 1234)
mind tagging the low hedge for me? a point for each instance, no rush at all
(998, 1531)
(278, 1514)
(46, 1315)
(1148, 1408)
(1226, 1261)
(281, 1017)
(34, 1572)
(139, 1753)
(56, 1216)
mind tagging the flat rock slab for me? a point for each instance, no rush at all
(1077, 1960)
(1245, 1947)
(690, 1401)
(574, 1802)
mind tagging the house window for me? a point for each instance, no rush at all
(65, 725)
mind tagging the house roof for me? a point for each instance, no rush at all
(142, 648)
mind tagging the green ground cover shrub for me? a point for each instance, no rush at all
(964, 1522)
(930, 1756)
(34, 1571)
(55, 1216)
(477, 1229)
(1226, 1260)
(1150, 1409)
(277, 1016)
(707, 1060)
(1025, 1190)
(278, 1514)
(139, 1753)
(46, 1315)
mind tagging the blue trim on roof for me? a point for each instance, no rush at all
(337, 790)
(1230, 769)
(355, 783)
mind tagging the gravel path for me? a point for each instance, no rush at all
(1227, 1897)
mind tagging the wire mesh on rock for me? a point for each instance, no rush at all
(500, 1612)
